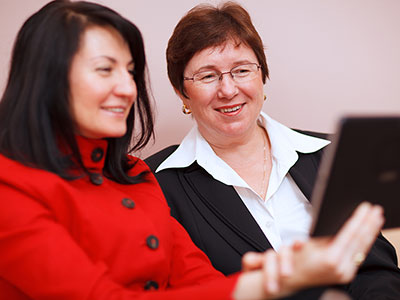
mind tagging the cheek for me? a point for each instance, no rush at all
(79, 106)
(255, 90)
(198, 98)
(78, 92)
(84, 102)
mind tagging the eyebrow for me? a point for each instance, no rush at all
(106, 57)
(113, 60)
(235, 64)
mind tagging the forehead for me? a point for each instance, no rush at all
(222, 56)
(103, 41)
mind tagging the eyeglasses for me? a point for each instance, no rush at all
(241, 73)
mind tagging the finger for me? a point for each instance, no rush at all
(349, 230)
(298, 245)
(338, 252)
(365, 234)
(271, 272)
(358, 250)
(362, 242)
(356, 238)
(286, 261)
(252, 261)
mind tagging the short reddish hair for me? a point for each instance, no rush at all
(207, 26)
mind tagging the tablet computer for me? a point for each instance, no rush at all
(361, 164)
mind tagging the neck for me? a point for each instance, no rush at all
(246, 145)
(250, 158)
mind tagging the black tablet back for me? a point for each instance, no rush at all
(362, 164)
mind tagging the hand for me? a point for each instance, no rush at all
(263, 274)
(319, 261)
(331, 260)
(275, 266)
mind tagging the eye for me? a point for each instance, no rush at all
(104, 70)
(241, 71)
(206, 77)
(132, 72)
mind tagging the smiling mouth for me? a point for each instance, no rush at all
(114, 109)
(231, 109)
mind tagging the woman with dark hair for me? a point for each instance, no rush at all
(43, 52)
(240, 181)
(82, 219)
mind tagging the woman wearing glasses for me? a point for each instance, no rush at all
(240, 181)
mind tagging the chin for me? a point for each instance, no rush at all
(113, 134)
(234, 130)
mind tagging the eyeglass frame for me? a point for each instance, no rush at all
(221, 74)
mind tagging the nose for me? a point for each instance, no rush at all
(227, 87)
(125, 86)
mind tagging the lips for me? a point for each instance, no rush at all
(118, 110)
(115, 109)
(230, 109)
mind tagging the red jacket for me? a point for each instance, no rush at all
(93, 238)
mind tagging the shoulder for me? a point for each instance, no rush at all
(137, 165)
(14, 170)
(311, 160)
(318, 154)
(321, 135)
(17, 176)
(154, 160)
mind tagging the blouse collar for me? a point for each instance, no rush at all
(285, 144)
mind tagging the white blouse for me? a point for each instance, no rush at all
(285, 214)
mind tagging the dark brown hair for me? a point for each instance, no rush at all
(207, 26)
(34, 111)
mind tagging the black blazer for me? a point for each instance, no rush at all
(220, 224)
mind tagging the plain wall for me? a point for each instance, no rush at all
(326, 58)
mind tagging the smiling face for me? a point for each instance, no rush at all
(102, 89)
(228, 109)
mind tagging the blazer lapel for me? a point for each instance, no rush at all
(304, 173)
(224, 210)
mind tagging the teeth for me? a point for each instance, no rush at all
(115, 109)
(228, 110)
